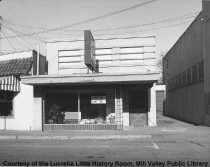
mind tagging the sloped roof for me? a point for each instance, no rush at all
(15, 66)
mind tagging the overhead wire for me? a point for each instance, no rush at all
(22, 34)
(18, 41)
(9, 21)
(183, 17)
(91, 19)
(11, 11)
(22, 41)
(41, 39)
(186, 16)
(8, 41)
(157, 28)
(107, 15)
(34, 36)
(99, 35)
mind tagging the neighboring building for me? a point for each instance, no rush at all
(119, 92)
(102, 84)
(16, 99)
(187, 72)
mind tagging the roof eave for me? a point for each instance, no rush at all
(90, 79)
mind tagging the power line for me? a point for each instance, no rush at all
(12, 11)
(20, 34)
(92, 19)
(186, 16)
(22, 41)
(9, 41)
(103, 35)
(107, 15)
(9, 21)
(0, 31)
(157, 28)
(22, 49)
(183, 17)
(26, 45)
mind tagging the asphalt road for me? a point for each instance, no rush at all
(174, 149)
(171, 144)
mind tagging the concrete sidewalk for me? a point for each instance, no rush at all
(165, 126)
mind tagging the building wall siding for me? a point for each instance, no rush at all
(136, 54)
(187, 51)
(186, 103)
(206, 10)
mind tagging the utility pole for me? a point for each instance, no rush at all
(0, 31)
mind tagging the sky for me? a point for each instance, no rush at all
(165, 19)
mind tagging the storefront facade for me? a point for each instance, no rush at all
(63, 104)
(96, 84)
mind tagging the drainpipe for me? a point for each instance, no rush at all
(5, 123)
(38, 51)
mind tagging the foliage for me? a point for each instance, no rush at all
(56, 114)
(159, 65)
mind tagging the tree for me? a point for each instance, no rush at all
(159, 65)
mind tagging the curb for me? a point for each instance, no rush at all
(103, 137)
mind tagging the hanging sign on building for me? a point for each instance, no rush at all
(89, 56)
(98, 99)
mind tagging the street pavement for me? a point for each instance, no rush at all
(172, 143)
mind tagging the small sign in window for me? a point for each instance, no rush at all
(98, 99)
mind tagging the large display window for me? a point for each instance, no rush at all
(83, 107)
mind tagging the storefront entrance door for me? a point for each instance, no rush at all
(138, 107)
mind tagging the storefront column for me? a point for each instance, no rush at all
(37, 109)
(119, 109)
(151, 115)
(126, 122)
(79, 110)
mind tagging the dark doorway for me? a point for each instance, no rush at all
(138, 107)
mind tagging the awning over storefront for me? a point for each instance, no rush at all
(95, 78)
(10, 83)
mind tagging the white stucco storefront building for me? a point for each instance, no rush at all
(65, 96)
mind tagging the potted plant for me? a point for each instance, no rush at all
(56, 114)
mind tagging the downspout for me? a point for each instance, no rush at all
(5, 123)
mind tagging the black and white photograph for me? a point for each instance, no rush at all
(105, 83)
